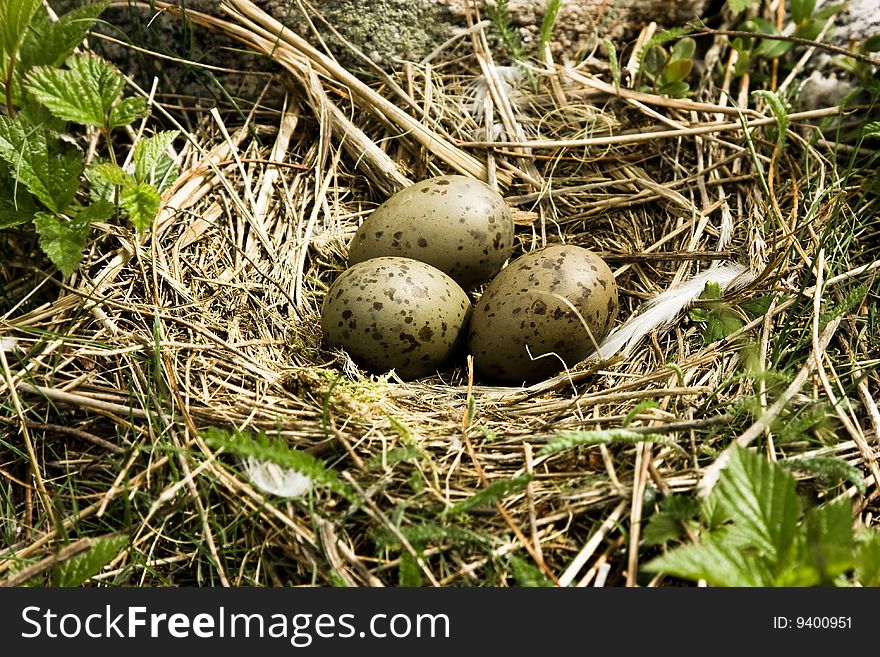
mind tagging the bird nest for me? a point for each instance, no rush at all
(211, 320)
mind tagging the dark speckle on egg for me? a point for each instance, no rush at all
(559, 303)
(411, 327)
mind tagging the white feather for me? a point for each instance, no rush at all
(665, 308)
(273, 479)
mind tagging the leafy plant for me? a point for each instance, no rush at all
(719, 317)
(262, 447)
(756, 533)
(80, 567)
(667, 70)
(52, 96)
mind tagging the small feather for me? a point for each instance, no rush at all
(666, 307)
(273, 479)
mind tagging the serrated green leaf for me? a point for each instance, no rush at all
(826, 547)
(152, 163)
(871, 130)
(737, 6)
(62, 239)
(15, 16)
(16, 205)
(127, 110)
(52, 175)
(571, 439)
(527, 574)
(261, 446)
(868, 560)
(662, 528)
(761, 500)
(110, 173)
(801, 10)
(81, 567)
(494, 492)
(84, 92)
(49, 43)
(141, 203)
(756, 307)
(717, 563)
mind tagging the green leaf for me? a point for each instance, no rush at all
(62, 239)
(714, 561)
(16, 205)
(613, 64)
(826, 547)
(81, 567)
(773, 48)
(662, 528)
(868, 560)
(494, 492)
(110, 173)
(49, 43)
(261, 446)
(127, 110)
(409, 572)
(52, 175)
(872, 44)
(654, 61)
(152, 164)
(757, 306)
(83, 93)
(722, 322)
(141, 202)
(15, 17)
(828, 467)
(571, 439)
(683, 49)
(779, 113)
(676, 71)
(801, 10)
(809, 29)
(737, 6)
(97, 211)
(761, 500)
(871, 130)
(829, 11)
(527, 574)
(665, 525)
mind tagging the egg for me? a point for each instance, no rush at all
(559, 300)
(395, 313)
(458, 224)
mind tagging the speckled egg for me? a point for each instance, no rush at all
(458, 224)
(560, 300)
(395, 313)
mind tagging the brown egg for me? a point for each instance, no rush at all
(458, 224)
(395, 313)
(559, 303)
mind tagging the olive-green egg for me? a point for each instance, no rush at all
(458, 224)
(560, 300)
(395, 313)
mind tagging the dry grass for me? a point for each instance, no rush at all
(211, 321)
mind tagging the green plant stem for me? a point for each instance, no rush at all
(10, 110)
